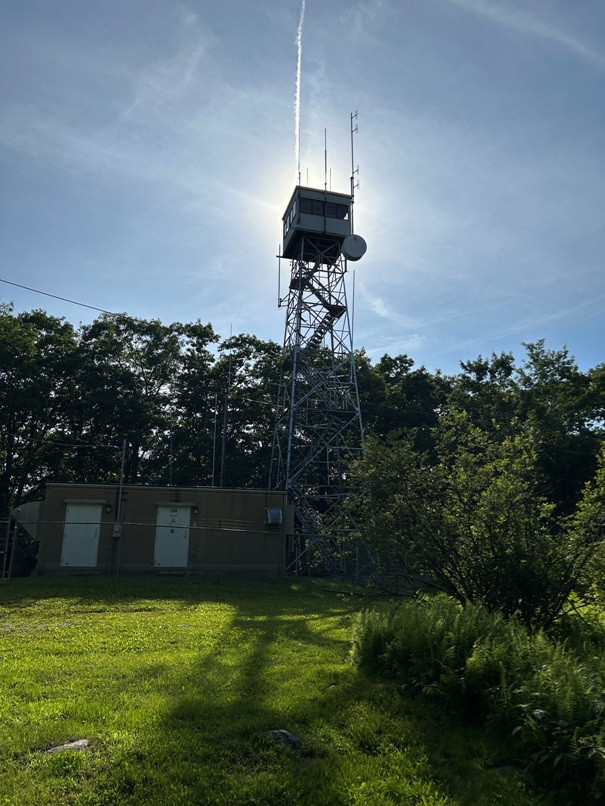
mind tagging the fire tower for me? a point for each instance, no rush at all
(318, 428)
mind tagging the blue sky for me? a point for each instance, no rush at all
(147, 153)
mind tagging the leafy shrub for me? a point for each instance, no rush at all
(471, 520)
(495, 671)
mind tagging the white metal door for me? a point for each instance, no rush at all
(172, 537)
(81, 535)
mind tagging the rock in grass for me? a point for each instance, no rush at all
(79, 744)
(285, 738)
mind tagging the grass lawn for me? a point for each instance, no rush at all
(176, 682)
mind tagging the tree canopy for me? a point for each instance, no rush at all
(194, 408)
(487, 481)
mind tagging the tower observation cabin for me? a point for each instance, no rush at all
(318, 221)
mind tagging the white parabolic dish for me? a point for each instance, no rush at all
(354, 247)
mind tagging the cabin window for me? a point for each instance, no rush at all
(334, 210)
(312, 206)
(328, 209)
(290, 218)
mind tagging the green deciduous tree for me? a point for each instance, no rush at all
(125, 384)
(472, 521)
(395, 397)
(556, 400)
(37, 354)
(487, 390)
(547, 394)
(246, 373)
(587, 529)
(191, 437)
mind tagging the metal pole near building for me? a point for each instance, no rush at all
(10, 565)
(6, 539)
(117, 525)
(214, 437)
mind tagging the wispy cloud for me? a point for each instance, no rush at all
(531, 322)
(409, 344)
(165, 81)
(183, 117)
(358, 20)
(526, 24)
(379, 306)
(587, 309)
(189, 18)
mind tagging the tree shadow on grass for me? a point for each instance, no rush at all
(187, 590)
(288, 668)
(279, 660)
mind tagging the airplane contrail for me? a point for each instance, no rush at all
(299, 33)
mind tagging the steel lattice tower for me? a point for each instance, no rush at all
(318, 429)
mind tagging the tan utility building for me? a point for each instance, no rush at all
(86, 527)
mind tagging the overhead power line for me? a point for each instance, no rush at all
(56, 296)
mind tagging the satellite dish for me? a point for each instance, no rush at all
(354, 247)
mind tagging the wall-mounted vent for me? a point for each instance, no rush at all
(274, 515)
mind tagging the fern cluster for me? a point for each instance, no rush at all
(546, 700)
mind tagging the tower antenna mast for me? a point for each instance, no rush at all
(325, 159)
(354, 171)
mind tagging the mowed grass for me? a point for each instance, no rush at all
(177, 681)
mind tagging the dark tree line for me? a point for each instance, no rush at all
(194, 408)
(191, 408)
(546, 394)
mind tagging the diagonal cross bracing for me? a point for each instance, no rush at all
(318, 423)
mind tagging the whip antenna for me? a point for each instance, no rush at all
(354, 171)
